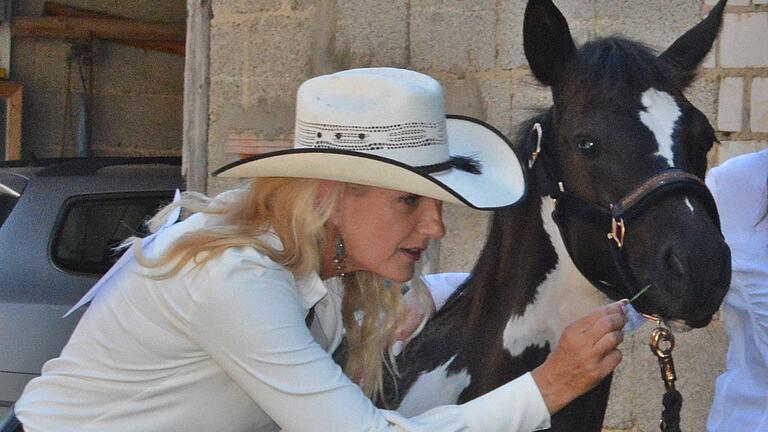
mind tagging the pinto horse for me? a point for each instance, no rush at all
(620, 152)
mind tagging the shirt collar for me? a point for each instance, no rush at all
(311, 290)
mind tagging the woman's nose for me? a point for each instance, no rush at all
(431, 224)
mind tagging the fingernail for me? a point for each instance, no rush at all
(397, 348)
(624, 303)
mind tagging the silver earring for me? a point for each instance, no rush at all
(340, 257)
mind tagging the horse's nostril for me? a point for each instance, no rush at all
(673, 263)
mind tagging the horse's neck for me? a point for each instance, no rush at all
(564, 296)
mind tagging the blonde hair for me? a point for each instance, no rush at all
(290, 208)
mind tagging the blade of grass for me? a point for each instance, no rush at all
(639, 293)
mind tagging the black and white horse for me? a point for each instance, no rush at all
(620, 149)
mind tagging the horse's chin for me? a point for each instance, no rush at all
(678, 326)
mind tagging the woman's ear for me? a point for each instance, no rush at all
(325, 188)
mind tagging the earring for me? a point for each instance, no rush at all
(340, 257)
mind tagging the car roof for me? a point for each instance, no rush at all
(68, 167)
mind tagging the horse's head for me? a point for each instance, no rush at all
(619, 119)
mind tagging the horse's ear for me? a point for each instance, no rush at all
(547, 41)
(689, 50)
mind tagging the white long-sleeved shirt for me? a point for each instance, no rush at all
(741, 392)
(225, 347)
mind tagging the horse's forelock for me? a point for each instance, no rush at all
(615, 65)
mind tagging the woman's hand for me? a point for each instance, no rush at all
(418, 308)
(587, 353)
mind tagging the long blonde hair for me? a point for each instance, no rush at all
(290, 208)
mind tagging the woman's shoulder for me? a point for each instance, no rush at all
(246, 259)
(238, 274)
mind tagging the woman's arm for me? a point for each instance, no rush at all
(253, 327)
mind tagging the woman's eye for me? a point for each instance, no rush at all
(587, 147)
(410, 199)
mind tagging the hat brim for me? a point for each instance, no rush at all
(500, 184)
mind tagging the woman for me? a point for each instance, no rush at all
(225, 321)
(740, 188)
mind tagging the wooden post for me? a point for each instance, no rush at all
(196, 94)
(11, 94)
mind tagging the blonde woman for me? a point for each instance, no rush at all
(225, 321)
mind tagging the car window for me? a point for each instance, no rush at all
(8, 199)
(91, 227)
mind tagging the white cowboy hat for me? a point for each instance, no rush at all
(387, 128)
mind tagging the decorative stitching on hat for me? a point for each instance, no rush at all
(398, 136)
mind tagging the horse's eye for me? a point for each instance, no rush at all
(587, 148)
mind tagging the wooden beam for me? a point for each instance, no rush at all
(170, 47)
(96, 28)
(57, 9)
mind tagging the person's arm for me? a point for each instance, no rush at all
(252, 325)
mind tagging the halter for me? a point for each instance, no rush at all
(618, 217)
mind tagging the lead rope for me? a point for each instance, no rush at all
(661, 343)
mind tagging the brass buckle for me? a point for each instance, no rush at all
(618, 229)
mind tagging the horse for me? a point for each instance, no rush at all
(615, 204)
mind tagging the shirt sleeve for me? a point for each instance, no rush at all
(442, 285)
(251, 323)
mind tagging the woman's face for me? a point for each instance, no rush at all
(386, 231)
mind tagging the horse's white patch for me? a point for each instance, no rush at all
(434, 388)
(660, 116)
(688, 203)
(563, 297)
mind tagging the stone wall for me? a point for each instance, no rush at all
(261, 50)
(137, 99)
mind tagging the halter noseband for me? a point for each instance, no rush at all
(618, 215)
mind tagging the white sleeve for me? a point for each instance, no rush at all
(442, 285)
(253, 326)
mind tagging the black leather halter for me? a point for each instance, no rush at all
(619, 216)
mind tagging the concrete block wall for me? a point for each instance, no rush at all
(137, 103)
(742, 68)
(261, 50)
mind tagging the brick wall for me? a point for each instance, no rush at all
(261, 50)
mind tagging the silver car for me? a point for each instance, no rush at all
(59, 222)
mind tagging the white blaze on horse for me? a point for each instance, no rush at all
(622, 151)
